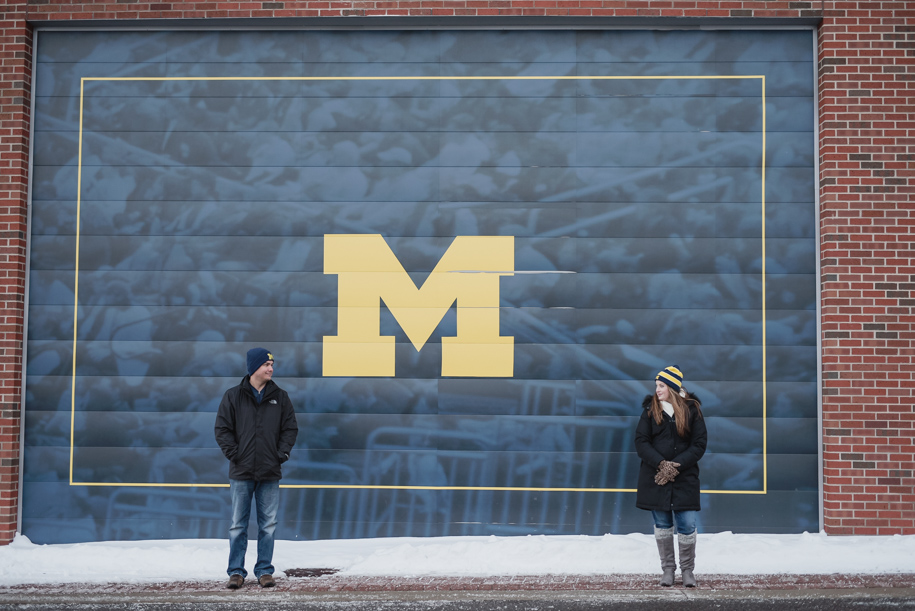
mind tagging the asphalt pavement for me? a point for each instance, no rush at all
(516, 593)
(807, 600)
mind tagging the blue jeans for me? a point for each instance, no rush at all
(686, 520)
(267, 502)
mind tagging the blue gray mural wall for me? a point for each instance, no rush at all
(196, 194)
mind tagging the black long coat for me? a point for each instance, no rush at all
(256, 438)
(656, 442)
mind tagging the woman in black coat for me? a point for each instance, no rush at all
(670, 439)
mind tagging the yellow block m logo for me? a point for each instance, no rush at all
(369, 272)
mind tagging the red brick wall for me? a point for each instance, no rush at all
(867, 149)
(15, 105)
(866, 72)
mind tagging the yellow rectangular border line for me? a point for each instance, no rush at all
(371, 487)
(763, 272)
(83, 80)
(420, 78)
(79, 192)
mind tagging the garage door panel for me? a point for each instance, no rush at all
(654, 218)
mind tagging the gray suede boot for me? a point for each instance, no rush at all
(665, 540)
(687, 544)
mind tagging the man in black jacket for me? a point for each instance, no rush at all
(256, 429)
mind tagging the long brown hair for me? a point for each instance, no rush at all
(681, 410)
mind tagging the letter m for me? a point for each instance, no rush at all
(369, 272)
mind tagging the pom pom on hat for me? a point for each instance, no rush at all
(256, 358)
(672, 376)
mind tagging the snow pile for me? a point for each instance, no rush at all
(205, 559)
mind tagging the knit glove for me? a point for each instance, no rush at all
(667, 472)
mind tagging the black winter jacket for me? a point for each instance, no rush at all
(256, 438)
(656, 442)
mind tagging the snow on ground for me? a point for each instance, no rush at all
(23, 562)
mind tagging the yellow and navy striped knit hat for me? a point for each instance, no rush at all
(672, 376)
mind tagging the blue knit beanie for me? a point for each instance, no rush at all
(256, 358)
(672, 376)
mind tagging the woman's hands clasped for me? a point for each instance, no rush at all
(667, 472)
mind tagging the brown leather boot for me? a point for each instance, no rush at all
(235, 581)
(266, 580)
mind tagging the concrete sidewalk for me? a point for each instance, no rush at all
(578, 583)
(532, 583)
